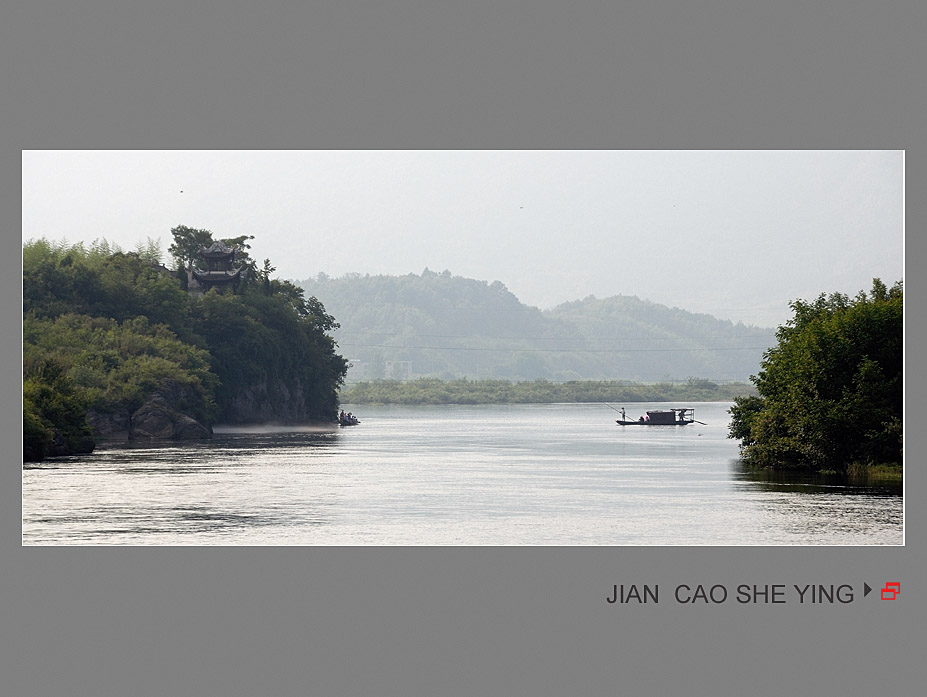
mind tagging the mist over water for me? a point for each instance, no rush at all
(562, 474)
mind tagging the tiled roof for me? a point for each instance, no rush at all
(217, 248)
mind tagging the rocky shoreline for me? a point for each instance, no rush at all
(166, 416)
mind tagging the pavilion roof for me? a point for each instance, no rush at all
(217, 249)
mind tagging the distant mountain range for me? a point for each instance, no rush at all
(446, 326)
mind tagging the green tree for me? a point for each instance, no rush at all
(103, 330)
(113, 365)
(54, 413)
(187, 245)
(830, 392)
(188, 242)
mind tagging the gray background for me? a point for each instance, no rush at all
(449, 621)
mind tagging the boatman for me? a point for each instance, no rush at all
(622, 414)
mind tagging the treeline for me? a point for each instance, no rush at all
(105, 331)
(445, 326)
(830, 394)
(464, 391)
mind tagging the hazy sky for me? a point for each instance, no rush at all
(736, 234)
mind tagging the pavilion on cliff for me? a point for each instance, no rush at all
(219, 272)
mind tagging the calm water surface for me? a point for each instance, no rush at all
(560, 474)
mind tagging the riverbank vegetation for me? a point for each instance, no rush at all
(463, 391)
(830, 394)
(104, 331)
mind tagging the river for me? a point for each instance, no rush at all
(551, 474)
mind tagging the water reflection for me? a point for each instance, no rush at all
(802, 508)
(814, 482)
(525, 474)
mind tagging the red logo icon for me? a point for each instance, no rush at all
(891, 591)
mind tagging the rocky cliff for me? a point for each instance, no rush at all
(168, 414)
(274, 402)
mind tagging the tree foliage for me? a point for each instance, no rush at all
(117, 365)
(54, 413)
(831, 391)
(105, 329)
(100, 282)
(188, 241)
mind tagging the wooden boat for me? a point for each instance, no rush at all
(681, 416)
(348, 420)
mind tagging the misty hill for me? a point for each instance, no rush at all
(446, 326)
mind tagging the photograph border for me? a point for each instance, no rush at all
(462, 621)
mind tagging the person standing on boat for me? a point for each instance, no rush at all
(623, 417)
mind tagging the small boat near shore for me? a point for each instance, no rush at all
(347, 419)
(677, 416)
